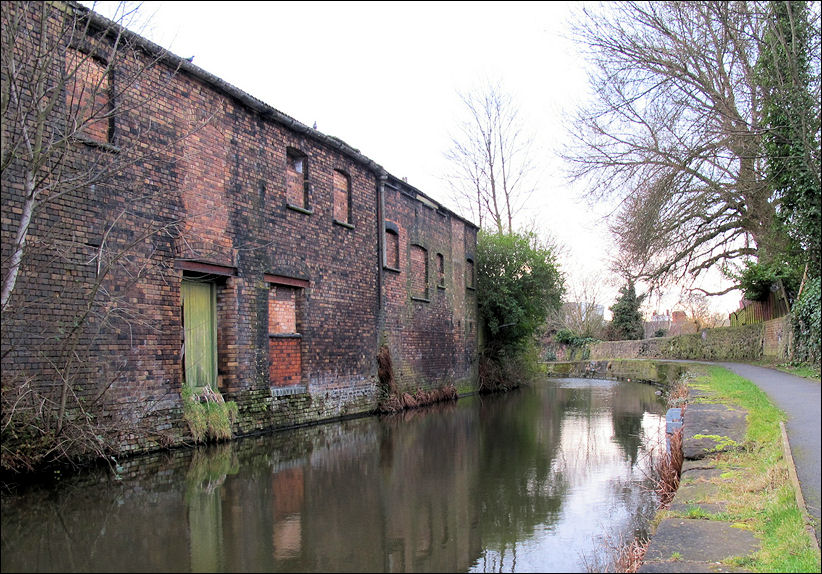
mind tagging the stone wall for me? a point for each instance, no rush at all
(746, 343)
(655, 372)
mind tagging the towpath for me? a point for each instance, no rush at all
(800, 399)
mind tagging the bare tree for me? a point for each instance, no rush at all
(675, 135)
(696, 306)
(583, 312)
(68, 79)
(491, 155)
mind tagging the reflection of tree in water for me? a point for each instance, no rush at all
(519, 488)
(431, 490)
(629, 404)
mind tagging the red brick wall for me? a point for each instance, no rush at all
(285, 367)
(215, 189)
(432, 340)
(341, 192)
(282, 310)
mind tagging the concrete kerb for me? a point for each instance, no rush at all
(800, 499)
(698, 545)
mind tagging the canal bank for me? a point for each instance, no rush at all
(539, 479)
(739, 504)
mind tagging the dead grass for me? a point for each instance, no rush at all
(668, 471)
(397, 402)
(631, 556)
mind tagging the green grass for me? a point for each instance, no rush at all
(756, 484)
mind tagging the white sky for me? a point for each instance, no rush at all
(385, 77)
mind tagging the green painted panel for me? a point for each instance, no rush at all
(199, 312)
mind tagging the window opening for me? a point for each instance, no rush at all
(440, 270)
(297, 182)
(419, 272)
(392, 250)
(88, 96)
(342, 197)
(284, 340)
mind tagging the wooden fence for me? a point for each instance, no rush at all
(759, 311)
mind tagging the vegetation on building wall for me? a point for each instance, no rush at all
(209, 417)
(392, 400)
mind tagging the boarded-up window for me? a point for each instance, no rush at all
(88, 96)
(342, 197)
(440, 270)
(284, 342)
(392, 249)
(469, 273)
(297, 185)
(282, 310)
(419, 272)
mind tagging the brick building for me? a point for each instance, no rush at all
(215, 241)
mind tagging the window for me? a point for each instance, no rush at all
(469, 273)
(392, 247)
(282, 310)
(297, 183)
(342, 197)
(88, 96)
(284, 339)
(419, 272)
(440, 270)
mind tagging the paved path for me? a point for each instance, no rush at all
(800, 399)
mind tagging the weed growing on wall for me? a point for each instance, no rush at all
(208, 416)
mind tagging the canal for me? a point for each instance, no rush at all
(547, 478)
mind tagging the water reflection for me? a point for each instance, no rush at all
(539, 479)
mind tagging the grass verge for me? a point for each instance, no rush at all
(756, 486)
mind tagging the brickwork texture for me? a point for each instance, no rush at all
(289, 225)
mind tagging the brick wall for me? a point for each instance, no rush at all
(205, 191)
(430, 328)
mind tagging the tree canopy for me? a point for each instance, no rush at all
(518, 284)
(627, 321)
(686, 99)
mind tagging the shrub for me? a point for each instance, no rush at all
(806, 325)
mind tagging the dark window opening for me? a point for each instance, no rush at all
(297, 180)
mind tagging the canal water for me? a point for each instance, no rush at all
(547, 478)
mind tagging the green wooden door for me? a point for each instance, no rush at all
(199, 313)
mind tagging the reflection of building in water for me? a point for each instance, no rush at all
(490, 481)
(288, 489)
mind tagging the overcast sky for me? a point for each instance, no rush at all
(385, 77)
